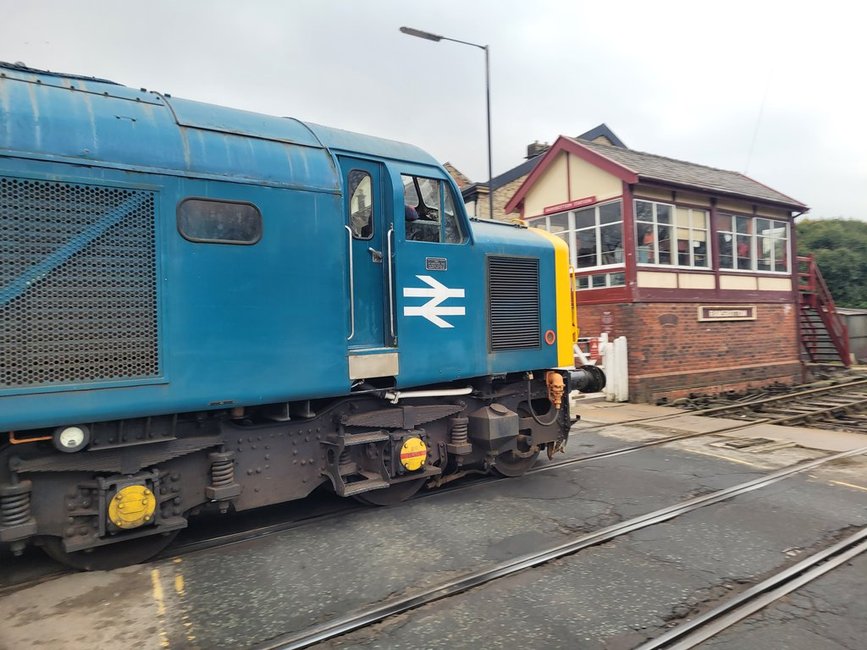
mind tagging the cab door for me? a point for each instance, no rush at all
(370, 340)
(440, 282)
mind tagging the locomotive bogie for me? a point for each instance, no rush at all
(143, 483)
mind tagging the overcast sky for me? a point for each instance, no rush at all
(773, 89)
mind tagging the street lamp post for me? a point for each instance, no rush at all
(436, 37)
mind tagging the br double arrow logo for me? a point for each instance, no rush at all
(438, 293)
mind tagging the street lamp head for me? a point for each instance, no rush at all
(420, 34)
(411, 31)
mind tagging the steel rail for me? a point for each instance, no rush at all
(780, 398)
(350, 622)
(185, 548)
(254, 533)
(742, 406)
(620, 451)
(644, 445)
(759, 596)
(32, 582)
(221, 541)
(243, 536)
(818, 413)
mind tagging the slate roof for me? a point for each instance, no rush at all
(529, 165)
(650, 167)
(515, 173)
(602, 131)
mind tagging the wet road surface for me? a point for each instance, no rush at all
(612, 596)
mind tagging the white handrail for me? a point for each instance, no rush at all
(351, 289)
(394, 396)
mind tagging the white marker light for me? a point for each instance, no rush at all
(71, 439)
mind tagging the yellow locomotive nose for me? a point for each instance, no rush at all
(413, 454)
(565, 333)
(132, 507)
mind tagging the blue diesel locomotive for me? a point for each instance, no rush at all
(201, 305)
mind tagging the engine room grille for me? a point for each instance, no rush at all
(78, 300)
(513, 290)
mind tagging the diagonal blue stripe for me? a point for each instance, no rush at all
(50, 262)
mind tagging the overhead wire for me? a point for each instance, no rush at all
(758, 121)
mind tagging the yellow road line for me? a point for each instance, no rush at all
(851, 485)
(181, 590)
(721, 457)
(159, 599)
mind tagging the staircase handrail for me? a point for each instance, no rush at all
(823, 302)
(806, 283)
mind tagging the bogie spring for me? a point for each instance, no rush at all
(15, 504)
(222, 469)
(459, 427)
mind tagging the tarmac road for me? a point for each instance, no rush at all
(611, 596)
(828, 614)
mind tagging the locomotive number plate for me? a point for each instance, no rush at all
(436, 264)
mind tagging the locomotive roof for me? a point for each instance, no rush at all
(75, 117)
(351, 142)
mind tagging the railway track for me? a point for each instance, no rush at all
(212, 542)
(750, 415)
(380, 612)
(344, 506)
(839, 407)
(767, 592)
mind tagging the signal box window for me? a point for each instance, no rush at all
(219, 222)
(429, 211)
(669, 235)
(753, 244)
(594, 235)
(360, 204)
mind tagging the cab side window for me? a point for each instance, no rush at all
(451, 226)
(211, 221)
(360, 204)
(429, 211)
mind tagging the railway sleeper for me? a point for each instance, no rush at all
(828, 403)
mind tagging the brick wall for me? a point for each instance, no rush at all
(672, 354)
(460, 178)
(502, 195)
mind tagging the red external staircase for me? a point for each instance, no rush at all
(823, 333)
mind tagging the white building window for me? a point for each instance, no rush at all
(772, 245)
(471, 208)
(594, 235)
(669, 235)
(601, 280)
(753, 244)
(691, 234)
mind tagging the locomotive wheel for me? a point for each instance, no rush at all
(512, 466)
(392, 494)
(111, 556)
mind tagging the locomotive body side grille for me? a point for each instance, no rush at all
(513, 291)
(78, 284)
